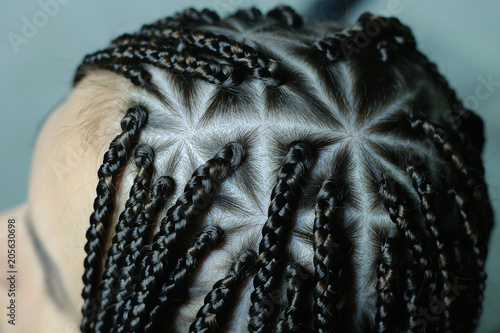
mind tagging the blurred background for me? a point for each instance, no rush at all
(37, 63)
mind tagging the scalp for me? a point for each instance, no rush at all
(344, 152)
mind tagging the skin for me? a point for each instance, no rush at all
(61, 192)
(68, 152)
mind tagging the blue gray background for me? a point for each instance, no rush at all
(460, 36)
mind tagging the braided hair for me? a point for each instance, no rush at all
(289, 177)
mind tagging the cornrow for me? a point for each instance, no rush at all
(136, 236)
(144, 157)
(387, 306)
(113, 163)
(284, 198)
(294, 316)
(174, 291)
(210, 317)
(330, 254)
(153, 265)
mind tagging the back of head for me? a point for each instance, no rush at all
(285, 177)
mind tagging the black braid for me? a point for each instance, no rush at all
(346, 44)
(330, 256)
(174, 291)
(284, 199)
(471, 307)
(464, 122)
(186, 62)
(253, 62)
(294, 315)
(195, 17)
(203, 185)
(418, 272)
(287, 16)
(425, 193)
(252, 14)
(188, 17)
(165, 44)
(135, 236)
(113, 163)
(177, 46)
(165, 27)
(144, 157)
(387, 299)
(137, 75)
(211, 316)
(472, 182)
(163, 188)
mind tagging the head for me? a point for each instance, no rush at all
(255, 172)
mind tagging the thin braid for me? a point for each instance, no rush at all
(195, 17)
(287, 16)
(137, 75)
(174, 291)
(284, 198)
(166, 26)
(252, 14)
(175, 46)
(171, 44)
(467, 124)
(387, 299)
(181, 39)
(113, 163)
(144, 157)
(329, 259)
(294, 315)
(163, 188)
(474, 181)
(418, 270)
(185, 62)
(201, 188)
(471, 182)
(425, 193)
(345, 44)
(211, 317)
(188, 17)
(473, 307)
(253, 61)
(135, 237)
(476, 235)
